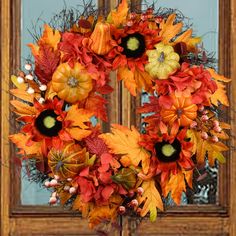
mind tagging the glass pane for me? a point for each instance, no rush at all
(203, 16)
(34, 14)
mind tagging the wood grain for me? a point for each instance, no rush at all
(5, 73)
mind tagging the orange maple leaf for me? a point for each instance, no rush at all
(20, 141)
(83, 207)
(118, 17)
(23, 109)
(169, 30)
(126, 142)
(50, 37)
(151, 199)
(105, 213)
(176, 186)
(78, 129)
(128, 77)
(203, 148)
(138, 79)
(23, 95)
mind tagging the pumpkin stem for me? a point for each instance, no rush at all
(72, 82)
(162, 57)
(59, 165)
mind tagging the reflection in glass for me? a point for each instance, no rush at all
(34, 14)
(205, 23)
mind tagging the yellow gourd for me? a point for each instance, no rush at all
(162, 61)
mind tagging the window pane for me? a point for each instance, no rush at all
(34, 14)
(204, 17)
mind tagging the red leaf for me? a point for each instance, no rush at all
(107, 192)
(106, 89)
(46, 63)
(97, 105)
(152, 106)
(96, 145)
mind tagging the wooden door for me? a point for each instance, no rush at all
(206, 220)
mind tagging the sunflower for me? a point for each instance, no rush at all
(170, 148)
(129, 56)
(50, 125)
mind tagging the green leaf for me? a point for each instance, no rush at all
(126, 177)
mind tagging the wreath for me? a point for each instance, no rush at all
(126, 171)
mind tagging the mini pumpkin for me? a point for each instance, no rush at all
(101, 38)
(182, 110)
(68, 161)
(71, 84)
(162, 61)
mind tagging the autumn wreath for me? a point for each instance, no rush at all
(106, 174)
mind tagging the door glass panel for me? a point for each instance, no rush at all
(203, 16)
(34, 14)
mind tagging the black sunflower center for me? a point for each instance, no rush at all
(167, 152)
(47, 123)
(133, 45)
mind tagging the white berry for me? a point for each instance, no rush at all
(53, 182)
(28, 66)
(52, 200)
(72, 190)
(41, 100)
(29, 77)
(43, 87)
(30, 90)
(20, 80)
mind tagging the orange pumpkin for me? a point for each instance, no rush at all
(71, 84)
(68, 161)
(182, 110)
(101, 38)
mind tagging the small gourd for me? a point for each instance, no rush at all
(68, 161)
(182, 110)
(71, 84)
(162, 61)
(101, 39)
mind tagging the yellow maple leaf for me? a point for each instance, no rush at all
(218, 77)
(119, 15)
(176, 186)
(220, 95)
(207, 148)
(151, 199)
(20, 141)
(126, 142)
(21, 86)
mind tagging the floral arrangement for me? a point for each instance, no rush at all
(125, 171)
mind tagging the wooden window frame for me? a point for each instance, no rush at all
(219, 219)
